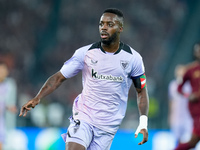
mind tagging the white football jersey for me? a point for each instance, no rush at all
(106, 83)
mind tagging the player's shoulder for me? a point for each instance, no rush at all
(85, 47)
(127, 48)
(89, 46)
(192, 65)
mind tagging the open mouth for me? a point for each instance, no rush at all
(104, 35)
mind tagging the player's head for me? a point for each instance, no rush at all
(196, 51)
(3, 71)
(180, 70)
(111, 25)
(120, 15)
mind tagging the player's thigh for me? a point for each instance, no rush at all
(102, 140)
(78, 133)
(74, 146)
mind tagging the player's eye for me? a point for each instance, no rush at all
(110, 24)
(100, 24)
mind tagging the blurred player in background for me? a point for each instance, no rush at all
(7, 103)
(108, 69)
(193, 76)
(180, 120)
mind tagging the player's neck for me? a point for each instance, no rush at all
(111, 48)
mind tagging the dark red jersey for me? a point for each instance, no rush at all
(193, 76)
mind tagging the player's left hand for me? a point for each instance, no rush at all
(193, 97)
(145, 136)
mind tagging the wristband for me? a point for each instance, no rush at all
(142, 124)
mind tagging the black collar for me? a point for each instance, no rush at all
(120, 47)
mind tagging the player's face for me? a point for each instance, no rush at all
(109, 28)
(3, 72)
(197, 51)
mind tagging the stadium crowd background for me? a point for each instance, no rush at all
(37, 37)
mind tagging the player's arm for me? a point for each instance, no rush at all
(193, 97)
(182, 80)
(52, 83)
(143, 106)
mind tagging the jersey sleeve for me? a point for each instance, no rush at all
(137, 66)
(74, 65)
(138, 72)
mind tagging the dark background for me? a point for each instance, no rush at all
(37, 37)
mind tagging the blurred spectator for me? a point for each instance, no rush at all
(180, 120)
(55, 114)
(7, 103)
(38, 116)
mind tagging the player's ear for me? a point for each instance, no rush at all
(121, 28)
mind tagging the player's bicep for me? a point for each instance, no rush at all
(139, 82)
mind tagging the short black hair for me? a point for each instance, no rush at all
(114, 11)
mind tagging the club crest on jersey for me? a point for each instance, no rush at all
(124, 64)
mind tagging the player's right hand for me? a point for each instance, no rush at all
(27, 107)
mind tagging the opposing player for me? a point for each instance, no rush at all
(193, 76)
(180, 120)
(108, 69)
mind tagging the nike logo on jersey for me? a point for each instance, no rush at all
(106, 77)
